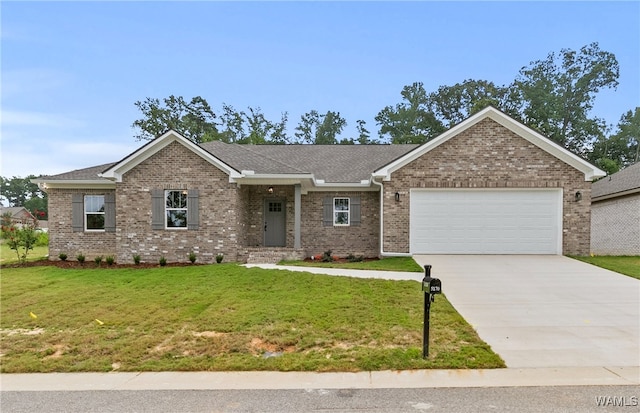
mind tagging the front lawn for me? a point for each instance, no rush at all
(406, 264)
(9, 256)
(223, 317)
(628, 265)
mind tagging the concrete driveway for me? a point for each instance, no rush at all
(544, 310)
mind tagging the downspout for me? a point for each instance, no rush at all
(383, 253)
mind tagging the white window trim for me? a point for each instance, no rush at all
(186, 210)
(85, 213)
(348, 211)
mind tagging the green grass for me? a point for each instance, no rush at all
(628, 265)
(406, 264)
(223, 317)
(8, 256)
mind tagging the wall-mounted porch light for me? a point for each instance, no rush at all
(270, 190)
(397, 196)
(578, 196)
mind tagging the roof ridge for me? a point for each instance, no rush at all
(246, 147)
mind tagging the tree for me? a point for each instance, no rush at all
(629, 133)
(410, 121)
(318, 129)
(555, 95)
(195, 120)
(21, 192)
(453, 104)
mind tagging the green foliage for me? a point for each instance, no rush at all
(80, 257)
(136, 259)
(42, 240)
(219, 258)
(22, 192)
(110, 260)
(354, 258)
(386, 264)
(214, 318)
(98, 260)
(195, 119)
(556, 94)
(627, 265)
(318, 129)
(192, 257)
(326, 256)
(62, 256)
(410, 121)
(162, 261)
(20, 237)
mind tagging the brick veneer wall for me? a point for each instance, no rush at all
(487, 155)
(314, 237)
(358, 240)
(615, 226)
(62, 239)
(176, 167)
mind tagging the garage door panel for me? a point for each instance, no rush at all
(485, 221)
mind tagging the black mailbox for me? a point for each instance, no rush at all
(435, 286)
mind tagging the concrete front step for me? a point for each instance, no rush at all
(273, 255)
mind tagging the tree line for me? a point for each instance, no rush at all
(554, 96)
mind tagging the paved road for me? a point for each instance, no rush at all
(544, 310)
(462, 400)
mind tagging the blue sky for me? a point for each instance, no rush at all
(71, 71)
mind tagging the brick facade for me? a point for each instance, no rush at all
(615, 226)
(231, 216)
(62, 239)
(488, 155)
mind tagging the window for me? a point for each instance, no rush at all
(176, 209)
(340, 211)
(94, 212)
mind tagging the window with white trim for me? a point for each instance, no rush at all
(341, 212)
(175, 209)
(94, 212)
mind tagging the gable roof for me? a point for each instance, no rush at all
(116, 171)
(624, 182)
(16, 212)
(590, 171)
(326, 163)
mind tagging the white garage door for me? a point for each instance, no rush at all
(486, 221)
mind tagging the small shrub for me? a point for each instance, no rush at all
(219, 258)
(110, 259)
(326, 257)
(353, 258)
(163, 261)
(98, 260)
(80, 258)
(43, 239)
(136, 259)
(62, 256)
(192, 257)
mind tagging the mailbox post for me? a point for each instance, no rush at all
(430, 286)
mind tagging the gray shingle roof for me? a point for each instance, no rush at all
(331, 163)
(625, 180)
(85, 174)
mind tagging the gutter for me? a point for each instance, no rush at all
(384, 253)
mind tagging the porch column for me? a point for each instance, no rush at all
(297, 216)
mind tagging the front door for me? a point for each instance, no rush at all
(274, 223)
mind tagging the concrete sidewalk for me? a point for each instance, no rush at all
(344, 272)
(577, 376)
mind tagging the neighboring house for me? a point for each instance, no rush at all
(19, 215)
(489, 185)
(615, 213)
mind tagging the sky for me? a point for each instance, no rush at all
(72, 71)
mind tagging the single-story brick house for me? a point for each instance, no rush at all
(615, 213)
(18, 215)
(489, 185)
